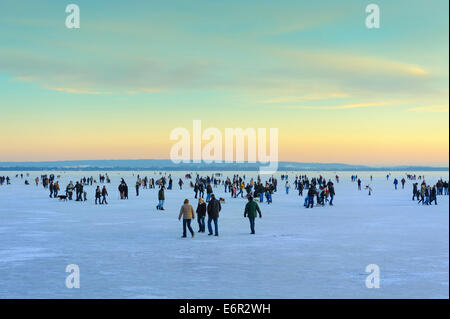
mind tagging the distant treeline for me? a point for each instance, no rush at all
(167, 165)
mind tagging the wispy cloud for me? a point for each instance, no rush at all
(78, 91)
(431, 108)
(344, 106)
(309, 97)
(354, 63)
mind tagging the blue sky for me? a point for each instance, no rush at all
(150, 66)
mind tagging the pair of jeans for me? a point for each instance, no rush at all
(201, 223)
(208, 197)
(306, 201)
(331, 199)
(287, 190)
(252, 224)
(216, 226)
(187, 223)
(104, 200)
(261, 197)
(310, 201)
(161, 203)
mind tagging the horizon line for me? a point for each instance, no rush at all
(234, 162)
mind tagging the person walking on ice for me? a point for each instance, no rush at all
(98, 193)
(250, 211)
(395, 183)
(214, 208)
(161, 198)
(201, 213)
(104, 194)
(287, 187)
(187, 212)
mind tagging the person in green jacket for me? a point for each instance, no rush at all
(250, 211)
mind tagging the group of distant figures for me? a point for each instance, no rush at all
(427, 194)
(319, 191)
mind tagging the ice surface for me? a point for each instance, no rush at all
(128, 249)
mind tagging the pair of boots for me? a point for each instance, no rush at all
(184, 236)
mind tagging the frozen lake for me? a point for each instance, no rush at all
(128, 249)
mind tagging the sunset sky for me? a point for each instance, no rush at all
(135, 70)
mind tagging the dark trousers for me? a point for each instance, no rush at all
(104, 200)
(201, 224)
(216, 227)
(187, 223)
(310, 201)
(252, 224)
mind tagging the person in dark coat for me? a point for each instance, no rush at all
(201, 190)
(51, 189)
(433, 196)
(138, 185)
(98, 193)
(79, 191)
(104, 194)
(196, 190)
(214, 208)
(331, 191)
(161, 199)
(415, 191)
(208, 192)
(201, 214)
(250, 211)
(311, 193)
(125, 191)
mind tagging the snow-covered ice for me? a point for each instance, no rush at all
(128, 249)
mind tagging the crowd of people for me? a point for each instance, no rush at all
(318, 191)
(4, 179)
(427, 194)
